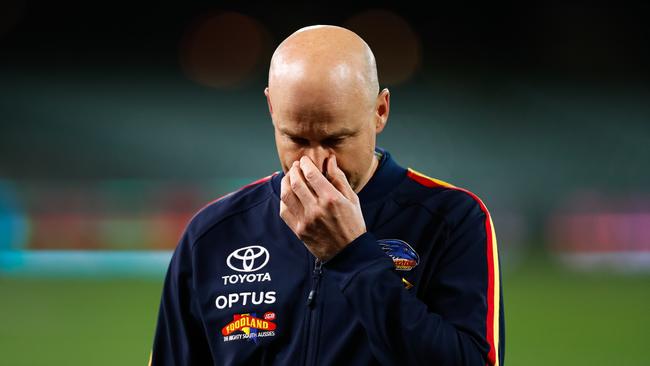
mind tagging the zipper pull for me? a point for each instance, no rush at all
(318, 270)
(310, 298)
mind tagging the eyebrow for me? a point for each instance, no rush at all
(338, 134)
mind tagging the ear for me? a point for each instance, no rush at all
(268, 99)
(382, 110)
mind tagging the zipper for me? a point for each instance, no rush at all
(315, 281)
(312, 318)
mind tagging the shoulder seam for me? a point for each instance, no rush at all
(430, 182)
(256, 183)
(205, 231)
(427, 181)
(240, 189)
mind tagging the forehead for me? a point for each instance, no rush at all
(324, 110)
(322, 120)
(296, 117)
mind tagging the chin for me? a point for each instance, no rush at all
(353, 184)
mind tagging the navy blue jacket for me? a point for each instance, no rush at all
(421, 286)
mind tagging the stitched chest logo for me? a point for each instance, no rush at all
(248, 259)
(249, 326)
(404, 256)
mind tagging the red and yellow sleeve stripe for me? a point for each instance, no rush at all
(493, 296)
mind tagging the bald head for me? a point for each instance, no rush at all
(325, 58)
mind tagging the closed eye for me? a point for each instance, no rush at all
(332, 142)
(299, 141)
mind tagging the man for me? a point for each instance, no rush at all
(344, 257)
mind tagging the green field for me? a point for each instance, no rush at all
(554, 317)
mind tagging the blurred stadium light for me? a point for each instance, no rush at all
(224, 49)
(397, 47)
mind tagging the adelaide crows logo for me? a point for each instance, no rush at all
(403, 255)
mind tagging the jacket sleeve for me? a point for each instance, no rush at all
(180, 338)
(451, 322)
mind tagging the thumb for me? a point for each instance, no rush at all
(338, 179)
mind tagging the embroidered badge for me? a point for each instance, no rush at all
(404, 256)
(249, 326)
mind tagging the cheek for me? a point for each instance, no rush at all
(287, 155)
(357, 167)
(348, 167)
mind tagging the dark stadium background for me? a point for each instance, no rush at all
(119, 120)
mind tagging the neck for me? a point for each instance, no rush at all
(371, 171)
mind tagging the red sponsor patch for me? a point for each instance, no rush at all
(246, 321)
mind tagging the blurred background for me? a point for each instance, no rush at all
(119, 121)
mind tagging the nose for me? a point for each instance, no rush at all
(319, 155)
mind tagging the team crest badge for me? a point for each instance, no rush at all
(404, 256)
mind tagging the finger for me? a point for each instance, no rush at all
(300, 188)
(338, 179)
(288, 217)
(321, 186)
(288, 198)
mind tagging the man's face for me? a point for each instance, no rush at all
(318, 125)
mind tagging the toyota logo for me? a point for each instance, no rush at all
(248, 259)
